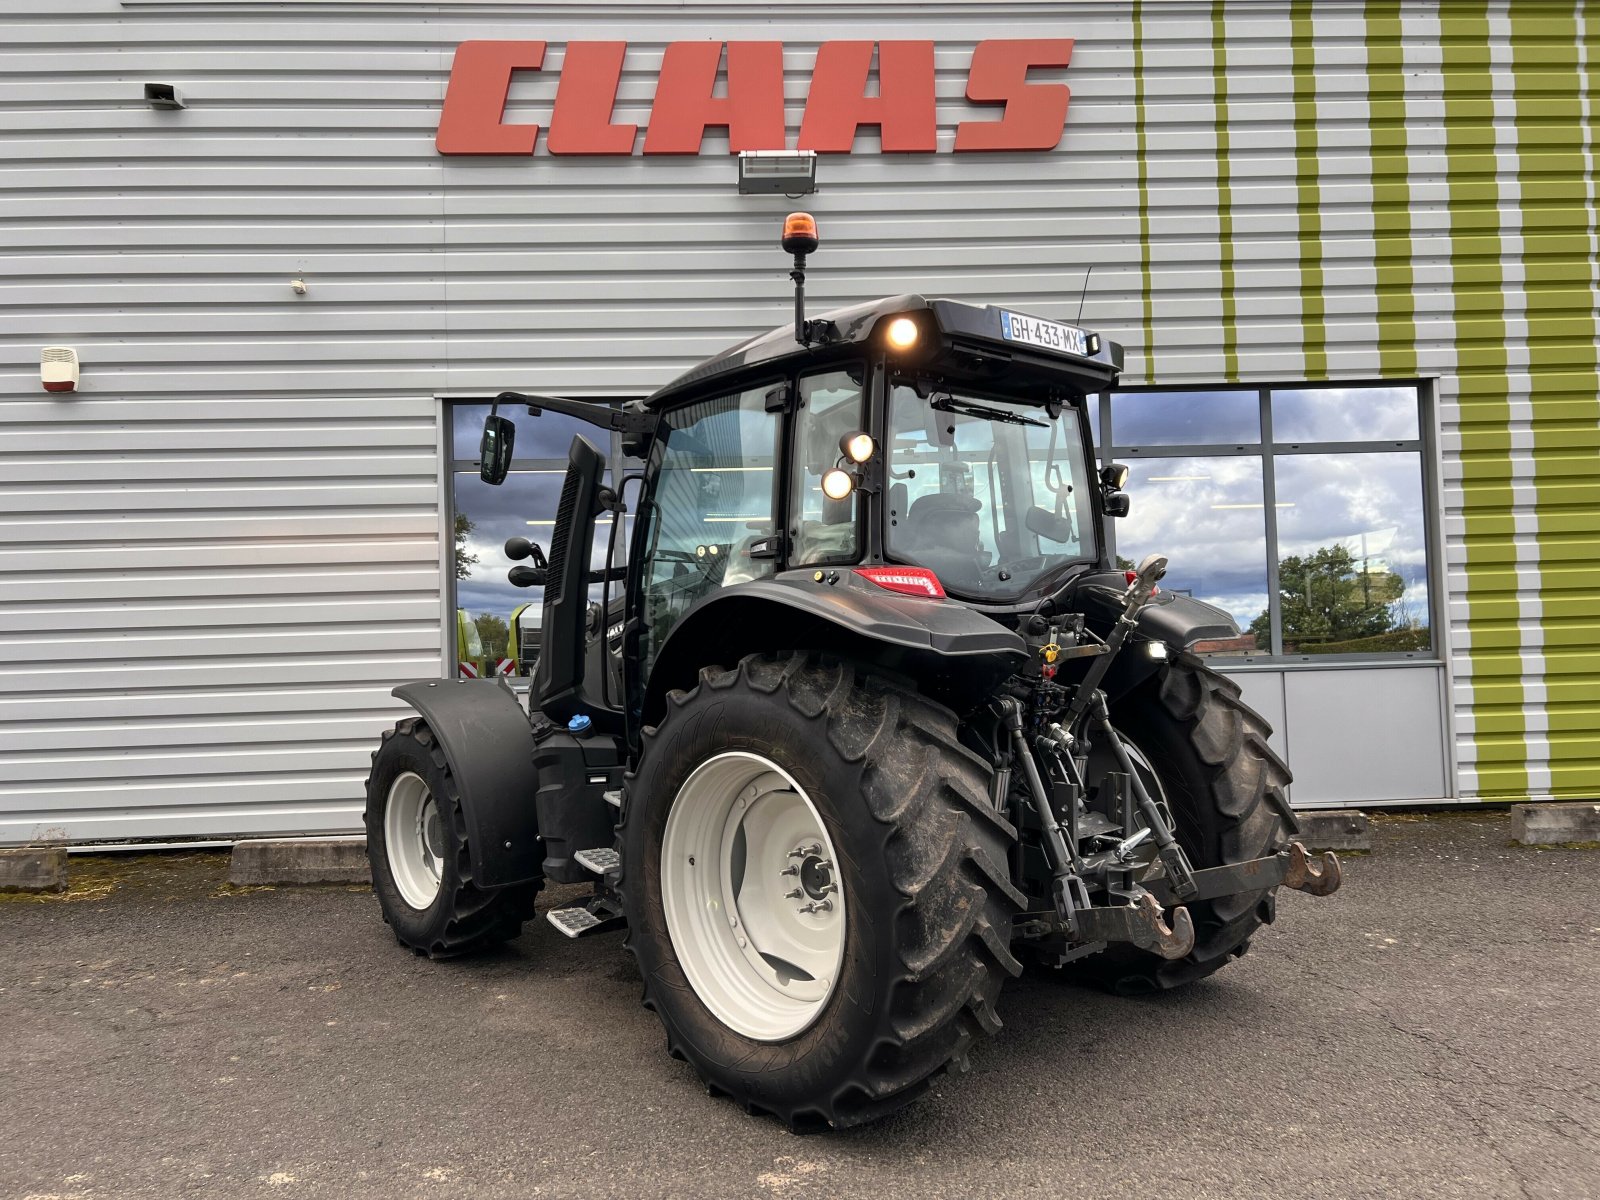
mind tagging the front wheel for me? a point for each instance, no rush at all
(421, 863)
(816, 890)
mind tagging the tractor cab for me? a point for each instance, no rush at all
(906, 447)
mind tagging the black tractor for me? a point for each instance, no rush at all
(862, 721)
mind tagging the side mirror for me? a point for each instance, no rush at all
(494, 450)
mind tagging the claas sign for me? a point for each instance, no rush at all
(1029, 113)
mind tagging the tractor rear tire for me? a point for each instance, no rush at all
(925, 900)
(445, 915)
(1224, 786)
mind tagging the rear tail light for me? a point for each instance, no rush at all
(908, 581)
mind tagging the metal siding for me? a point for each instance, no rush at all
(227, 546)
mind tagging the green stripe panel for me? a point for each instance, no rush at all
(1142, 135)
(1476, 213)
(1563, 370)
(1391, 191)
(1225, 249)
(1312, 303)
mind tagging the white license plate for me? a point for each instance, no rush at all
(1049, 335)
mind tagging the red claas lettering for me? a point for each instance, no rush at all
(1034, 114)
(841, 99)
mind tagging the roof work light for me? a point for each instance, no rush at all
(903, 333)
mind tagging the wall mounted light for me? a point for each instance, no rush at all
(781, 172)
(162, 96)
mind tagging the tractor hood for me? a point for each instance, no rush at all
(983, 338)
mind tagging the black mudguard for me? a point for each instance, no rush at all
(487, 740)
(1177, 621)
(954, 654)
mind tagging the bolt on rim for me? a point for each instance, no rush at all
(413, 836)
(752, 896)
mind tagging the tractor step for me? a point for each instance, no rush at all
(602, 860)
(580, 922)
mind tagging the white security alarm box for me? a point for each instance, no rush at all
(58, 368)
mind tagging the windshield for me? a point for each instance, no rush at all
(988, 494)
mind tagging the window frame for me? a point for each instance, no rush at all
(1268, 450)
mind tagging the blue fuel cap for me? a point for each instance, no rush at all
(579, 724)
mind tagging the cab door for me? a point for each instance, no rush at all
(711, 518)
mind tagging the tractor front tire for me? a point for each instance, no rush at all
(421, 863)
(1224, 787)
(888, 815)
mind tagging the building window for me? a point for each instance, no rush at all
(1300, 510)
(495, 623)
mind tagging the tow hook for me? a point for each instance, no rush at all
(1140, 923)
(1320, 875)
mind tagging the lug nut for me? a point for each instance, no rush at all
(817, 906)
(794, 895)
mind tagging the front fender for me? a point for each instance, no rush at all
(954, 654)
(486, 737)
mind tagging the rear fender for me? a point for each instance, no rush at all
(952, 653)
(1176, 621)
(486, 738)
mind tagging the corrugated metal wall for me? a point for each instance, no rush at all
(221, 553)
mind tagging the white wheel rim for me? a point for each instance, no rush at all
(413, 835)
(741, 838)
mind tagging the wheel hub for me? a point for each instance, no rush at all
(414, 839)
(814, 874)
(752, 900)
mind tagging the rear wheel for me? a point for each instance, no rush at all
(816, 888)
(421, 863)
(1223, 786)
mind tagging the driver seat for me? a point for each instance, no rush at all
(942, 534)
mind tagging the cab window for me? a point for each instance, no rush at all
(713, 504)
(828, 406)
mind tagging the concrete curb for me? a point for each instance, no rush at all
(267, 862)
(32, 869)
(1555, 824)
(1335, 829)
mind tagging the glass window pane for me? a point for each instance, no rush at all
(486, 516)
(712, 500)
(1353, 562)
(1345, 414)
(991, 495)
(824, 530)
(1093, 404)
(1186, 418)
(1206, 516)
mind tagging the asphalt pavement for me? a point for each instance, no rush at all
(1431, 1031)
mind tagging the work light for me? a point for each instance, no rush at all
(857, 447)
(903, 333)
(837, 484)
